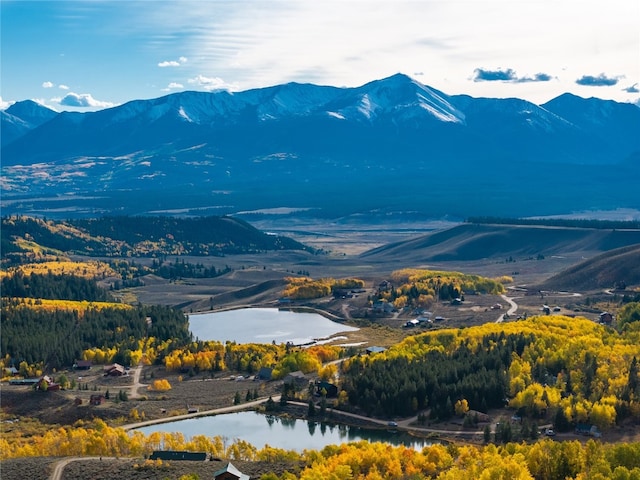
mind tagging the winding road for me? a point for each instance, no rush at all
(513, 307)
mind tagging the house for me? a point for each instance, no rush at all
(230, 473)
(115, 370)
(482, 417)
(46, 384)
(96, 399)
(412, 323)
(296, 378)
(383, 307)
(329, 388)
(264, 373)
(374, 349)
(606, 318)
(13, 371)
(83, 365)
(178, 455)
(385, 286)
(589, 430)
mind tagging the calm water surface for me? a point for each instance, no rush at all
(264, 325)
(290, 434)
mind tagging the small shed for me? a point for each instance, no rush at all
(178, 455)
(96, 399)
(374, 349)
(606, 318)
(264, 373)
(230, 473)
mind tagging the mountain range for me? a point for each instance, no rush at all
(391, 145)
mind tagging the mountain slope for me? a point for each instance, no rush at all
(468, 242)
(603, 271)
(389, 144)
(22, 117)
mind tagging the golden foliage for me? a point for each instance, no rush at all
(93, 269)
(305, 288)
(360, 460)
(81, 307)
(160, 385)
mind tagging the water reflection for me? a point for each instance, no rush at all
(264, 325)
(283, 432)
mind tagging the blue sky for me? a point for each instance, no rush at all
(87, 55)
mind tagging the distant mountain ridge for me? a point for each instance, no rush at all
(309, 143)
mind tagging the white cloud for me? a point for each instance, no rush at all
(5, 104)
(211, 83)
(63, 87)
(47, 85)
(172, 63)
(173, 86)
(82, 100)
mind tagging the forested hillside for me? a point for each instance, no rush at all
(571, 370)
(36, 238)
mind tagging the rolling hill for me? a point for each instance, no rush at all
(470, 242)
(600, 272)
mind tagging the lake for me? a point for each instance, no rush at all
(287, 433)
(264, 325)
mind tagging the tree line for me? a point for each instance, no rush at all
(59, 337)
(403, 385)
(559, 222)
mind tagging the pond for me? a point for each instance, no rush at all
(264, 325)
(287, 433)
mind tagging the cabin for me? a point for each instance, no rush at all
(606, 318)
(115, 370)
(46, 384)
(589, 430)
(412, 323)
(374, 349)
(178, 455)
(230, 472)
(383, 307)
(482, 417)
(329, 388)
(264, 373)
(96, 399)
(83, 365)
(13, 371)
(296, 378)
